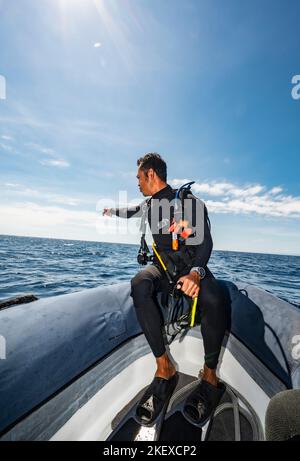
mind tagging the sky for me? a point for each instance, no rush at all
(89, 86)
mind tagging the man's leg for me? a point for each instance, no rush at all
(201, 403)
(144, 286)
(212, 305)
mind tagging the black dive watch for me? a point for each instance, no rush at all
(200, 270)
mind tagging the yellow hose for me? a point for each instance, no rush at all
(159, 258)
(193, 312)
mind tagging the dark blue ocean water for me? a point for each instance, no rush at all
(47, 267)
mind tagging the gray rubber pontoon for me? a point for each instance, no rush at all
(75, 362)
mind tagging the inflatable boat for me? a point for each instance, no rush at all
(73, 366)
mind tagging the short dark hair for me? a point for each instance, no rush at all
(154, 161)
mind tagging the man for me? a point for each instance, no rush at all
(196, 281)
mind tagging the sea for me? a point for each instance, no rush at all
(49, 267)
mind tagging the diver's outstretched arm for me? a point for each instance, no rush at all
(134, 211)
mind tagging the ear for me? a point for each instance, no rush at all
(151, 173)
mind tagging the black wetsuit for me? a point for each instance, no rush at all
(144, 286)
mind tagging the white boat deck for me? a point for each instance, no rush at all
(92, 422)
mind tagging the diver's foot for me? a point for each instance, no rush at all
(155, 400)
(165, 368)
(202, 402)
(166, 373)
(209, 375)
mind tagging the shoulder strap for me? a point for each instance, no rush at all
(189, 194)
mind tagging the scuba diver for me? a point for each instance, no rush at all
(186, 264)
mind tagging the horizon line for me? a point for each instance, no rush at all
(137, 244)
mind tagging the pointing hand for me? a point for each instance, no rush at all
(107, 212)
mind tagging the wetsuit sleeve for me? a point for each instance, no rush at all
(135, 211)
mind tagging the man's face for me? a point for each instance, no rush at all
(143, 183)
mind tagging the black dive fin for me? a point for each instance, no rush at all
(132, 428)
(177, 427)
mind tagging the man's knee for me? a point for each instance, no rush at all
(141, 287)
(211, 291)
(212, 298)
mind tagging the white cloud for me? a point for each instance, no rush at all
(97, 45)
(15, 191)
(247, 199)
(25, 117)
(42, 149)
(212, 189)
(55, 161)
(34, 217)
(221, 188)
(60, 163)
(10, 184)
(275, 190)
(6, 147)
(29, 218)
(224, 188)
